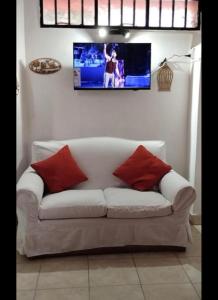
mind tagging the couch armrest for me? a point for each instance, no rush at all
(30, 188)
(177, 190)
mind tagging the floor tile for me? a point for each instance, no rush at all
(25, 295)
(59, 259)
(198, 288)
(195, 231)
(198, 227)
(129, 292)
(63, 274)
(170, 292)
(193, 249)
(21, 258)
(110, 256)
(63, 294)
(112, 272)
(161, 254)
(27, 275)
(47, 259)
(159, 270)
(192, 266)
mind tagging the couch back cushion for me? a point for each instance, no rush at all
(98, 157)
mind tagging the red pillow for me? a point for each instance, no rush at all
(60, 171)
(142, 170)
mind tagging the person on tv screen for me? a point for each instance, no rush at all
(111, 67)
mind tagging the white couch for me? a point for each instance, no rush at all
(103, 211)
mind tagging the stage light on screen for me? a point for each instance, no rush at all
(102, 32)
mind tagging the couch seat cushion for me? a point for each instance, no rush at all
(73, 204)
(128, 203)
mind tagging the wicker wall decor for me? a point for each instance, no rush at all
(164, 78)
(45, 66)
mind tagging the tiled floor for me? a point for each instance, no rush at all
(135, 276)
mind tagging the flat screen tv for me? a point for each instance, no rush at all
(114, 66)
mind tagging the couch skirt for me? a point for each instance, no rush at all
(67, 235)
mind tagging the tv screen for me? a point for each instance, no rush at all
(112, 66)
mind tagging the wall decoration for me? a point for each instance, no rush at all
(165, 74)
(45, 66)
(164, 78)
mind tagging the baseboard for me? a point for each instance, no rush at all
(195, 219)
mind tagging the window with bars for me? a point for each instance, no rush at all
(151, 14)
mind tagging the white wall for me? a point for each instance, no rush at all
(198, 178)
(57, 111)
(21, 61)
(195, 129)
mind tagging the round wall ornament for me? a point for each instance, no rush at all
(45, 65)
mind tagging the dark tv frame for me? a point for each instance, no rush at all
(112, 89)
